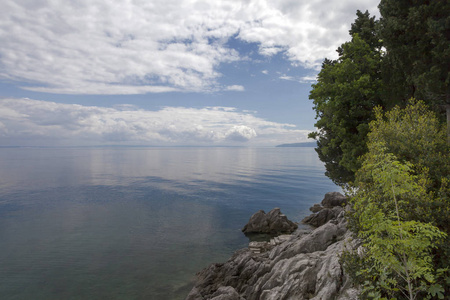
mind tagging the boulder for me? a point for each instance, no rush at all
(274, 222)
(323, 216)
(333, 199)
(316, 208)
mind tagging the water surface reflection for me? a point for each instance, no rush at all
(137, 223)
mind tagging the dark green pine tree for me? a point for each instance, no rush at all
(344, 96)
(367, 28)
(416, 35)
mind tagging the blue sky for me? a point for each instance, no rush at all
(164, 73)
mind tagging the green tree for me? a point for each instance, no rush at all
(416, 35)
(367, 28)
(399, 250)
(415, 135)
(401, 204)
(346, 92)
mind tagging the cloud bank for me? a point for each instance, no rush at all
(41, 123)
(141, 46)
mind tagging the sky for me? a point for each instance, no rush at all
(165, 72)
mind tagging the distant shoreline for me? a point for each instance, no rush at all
(306, 144)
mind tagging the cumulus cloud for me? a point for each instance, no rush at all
(43, 123)
(135, 47)
(240, 133)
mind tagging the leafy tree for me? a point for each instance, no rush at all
(416, 35)
(398, 249)
(401, 208)
(346, 92)
(415, 135)
(405, 54)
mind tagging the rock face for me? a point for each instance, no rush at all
(316, 208)
(333, 199)
(273, 222)
(303, 266)
(323, 216)
(332, 206)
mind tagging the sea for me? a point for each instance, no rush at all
(138, 222)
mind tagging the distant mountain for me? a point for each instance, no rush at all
(307, 144)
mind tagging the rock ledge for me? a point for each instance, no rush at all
(303, 265)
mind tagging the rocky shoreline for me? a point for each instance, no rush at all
(302, 265)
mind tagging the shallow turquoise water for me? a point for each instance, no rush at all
(137, 223)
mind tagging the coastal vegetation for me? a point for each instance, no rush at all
(390, 151)
(401, 205)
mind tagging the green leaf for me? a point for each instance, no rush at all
(436, 290)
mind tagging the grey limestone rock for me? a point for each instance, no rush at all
(332, 205)
(333, 199)
(226, 293)
(316, 208)
(323, 216)
(303, 266)
(273, 222)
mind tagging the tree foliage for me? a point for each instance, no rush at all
(416, 35)
(400, 208)
(415, 135)
(344, 96)
(399, 165)
(405, 54)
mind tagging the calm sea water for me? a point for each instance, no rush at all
(137, 223)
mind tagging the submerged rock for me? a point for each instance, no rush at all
(304, 265)
(273, 222)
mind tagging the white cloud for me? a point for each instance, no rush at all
(304, 79)
(265, 72)
(240, 133)
(308, 79)
(236, 88)
(135, 47)
(286, 77)
(33, 122)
